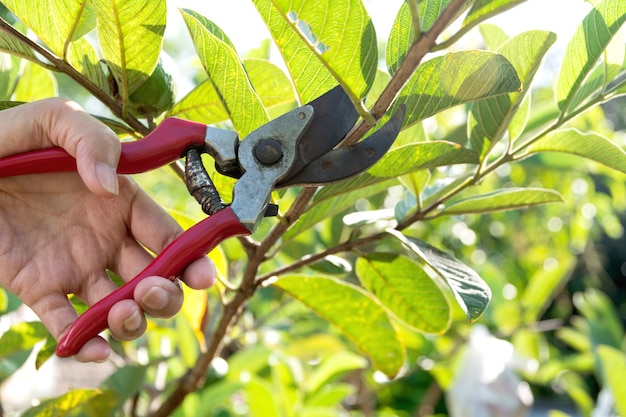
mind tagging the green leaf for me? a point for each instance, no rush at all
(331, 366)
(493, 36)
(586, 48)
(406, 290)
(9, 73)
(35, 83)
(202, 104)
(310, 76)
(270, 82)
(489, 119)
(344, 40)
(404, 160)
(542, 286)
(355, 313)
(83, 56)
(330, 395)
(470, 291)
(604, 324)
(46, 352)
(400, 39)
(16, 47)
(53, 21)
(614, 368)
(76, 403)
(261, 398)
(22, 336)
(588, 145)
(484, 9)
(505, 199)
(131, 37)
(226, 73)
(402, 33)
(455, 78)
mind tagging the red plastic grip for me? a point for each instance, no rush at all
(193, 244)
(164, 145)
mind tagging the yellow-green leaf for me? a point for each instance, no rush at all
(456, 78)
(54, 21)
(614, 368)
(310, 76)
(505, 199)
(35, 83)
(588, 145)
(586, 47)
(406, 290)
(470, 291)
(355, 313)
(226, 73)
(83, 56)
(344, 39)
(489, 119)
(131, 37)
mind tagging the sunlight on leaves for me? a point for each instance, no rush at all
(54, 21)
(344, 40)
(484, 9)
(355, 313)
(131, 37)
(76, 402)
(35, 83)
(402, 33)
(226, 73)
(586, 48)
(202, 104)
(310, 76)
(194, 310)
(22, 336)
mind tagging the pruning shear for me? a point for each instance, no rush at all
(295, 149)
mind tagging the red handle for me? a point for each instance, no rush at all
(191, 245)
(164, 145)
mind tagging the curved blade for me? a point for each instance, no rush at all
(342, 163)
(334, 116)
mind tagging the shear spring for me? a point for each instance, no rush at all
(200, 185)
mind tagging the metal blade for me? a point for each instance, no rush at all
(334, 116)
(342, 163)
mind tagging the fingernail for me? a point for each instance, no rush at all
(155, 299)
(107, 177)
(133, 323)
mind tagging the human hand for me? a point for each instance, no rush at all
(60, 232)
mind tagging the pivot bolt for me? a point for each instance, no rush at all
(268, 151)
